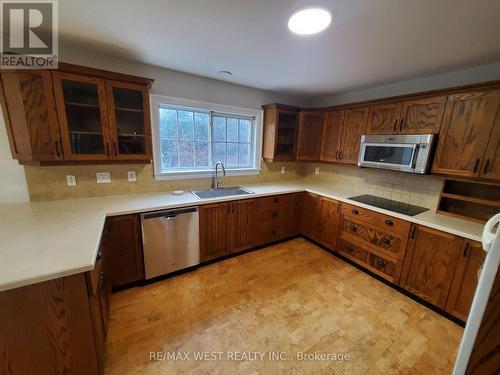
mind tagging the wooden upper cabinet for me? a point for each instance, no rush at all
(429, 264)
(353, 127)
(465, 133)
(490, 168)
(129, 120)
(332, 136)
(81, 107)
(29, 109)
(383, 118)
(76, 114)
(280, 132)
(422, 116)
(465, 280)
(310, 135)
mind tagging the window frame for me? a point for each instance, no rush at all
(157, 101)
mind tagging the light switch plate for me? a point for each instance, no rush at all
(316, 170)
(131, 176)
(71, 180)
(283, 170)
(103, 177)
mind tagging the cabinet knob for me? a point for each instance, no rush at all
(353, 228)
(385, 241)
(476, 165)
(99, 255)
(273, 232)
(275, 214)
(381, 263)
(349, 248)
(354, 211)
(389, 222)
(276, 200)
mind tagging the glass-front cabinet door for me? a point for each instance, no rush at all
(129, 118)
(81, 103)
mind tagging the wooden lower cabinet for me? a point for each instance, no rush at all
(57, 326)
(465, 280)
(226, 228)
(123, 242)
(320, 219)
(430, 262)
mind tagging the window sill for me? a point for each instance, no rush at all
(180, 175)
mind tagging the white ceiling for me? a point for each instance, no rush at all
(369, 42)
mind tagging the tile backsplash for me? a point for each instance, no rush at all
(49, 183)
(421, 190)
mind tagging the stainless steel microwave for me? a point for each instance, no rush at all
(404, 153)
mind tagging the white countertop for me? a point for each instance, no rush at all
(45, 240)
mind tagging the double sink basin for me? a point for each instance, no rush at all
(221, 192)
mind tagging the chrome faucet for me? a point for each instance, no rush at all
(217, 181)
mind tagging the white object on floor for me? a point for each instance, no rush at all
(178, 192)
(491, 244)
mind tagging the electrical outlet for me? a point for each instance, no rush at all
(131, 176)
(103, 177)
(316, 170)
(71, 180)
(283, 170)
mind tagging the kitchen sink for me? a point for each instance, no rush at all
(221, 192)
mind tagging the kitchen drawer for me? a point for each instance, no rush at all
(385, 222)
(390, 244)
(386, 267)
(275, 215)
(352, 251)
(275, 201)
(271, 233)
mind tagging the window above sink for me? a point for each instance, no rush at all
(190, 137)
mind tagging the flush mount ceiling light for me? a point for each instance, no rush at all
(309, 21)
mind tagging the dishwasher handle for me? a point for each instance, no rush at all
(170, 217)
(168, 213)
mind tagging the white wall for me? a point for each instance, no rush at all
(482, 73)
(13, 187)
(182, 85)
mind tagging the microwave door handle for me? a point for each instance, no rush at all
(415, 155)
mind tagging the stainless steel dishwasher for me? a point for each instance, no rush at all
(170, 240)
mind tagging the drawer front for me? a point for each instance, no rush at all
(275, 201)
(384, 222)
(389, 269)
(390, 244)
(352, 251)
(275, 215)
(270, 233)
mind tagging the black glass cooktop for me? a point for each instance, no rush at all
(388, 204)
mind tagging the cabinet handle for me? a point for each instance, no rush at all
(115, 149)
(276, 200)
(340, 154)
(273, 232)
(413, 232)
(353, 228)
(486, 166)
(99, 255)
(349, 248)
(337, 155)
(380, 263)
(476, 165)
(466, 250)
(385, 241)
(275, 214)
(108, 149)
(56, 148)
(354, 211)
(389, 222)
(401, 124)
(395, 124)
